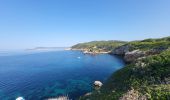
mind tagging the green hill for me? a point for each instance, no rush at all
(145, 78)
(98, 46)
(148, 44)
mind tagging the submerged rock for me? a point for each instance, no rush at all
(88, 94)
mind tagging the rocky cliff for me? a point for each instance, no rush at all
(145, 77)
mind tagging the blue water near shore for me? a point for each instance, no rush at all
(41, 75)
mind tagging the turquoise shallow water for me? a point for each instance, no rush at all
(38, 76)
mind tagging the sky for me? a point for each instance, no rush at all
(62, 23)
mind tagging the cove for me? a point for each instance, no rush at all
(42, 75)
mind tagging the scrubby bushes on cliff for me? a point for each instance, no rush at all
(99, 45)
(146, 77)
(149, 76)
(146, 73)
(147, 44)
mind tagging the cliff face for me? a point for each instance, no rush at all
(133, 55)
(121, 50)
(136, 49)
(146, 76)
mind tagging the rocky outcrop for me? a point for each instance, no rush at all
(121, 50)
(133, 95)
(88, 94)
(98, 83)
(93, 52)
(133, 55)
(130, 56)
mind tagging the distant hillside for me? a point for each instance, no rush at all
(49, 48)
(98, 46)
(145, 77)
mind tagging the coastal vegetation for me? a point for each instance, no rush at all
(145, 77)
(98, 46)
(147, 44)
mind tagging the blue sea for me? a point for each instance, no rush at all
(42, 75)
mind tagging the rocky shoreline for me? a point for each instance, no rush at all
(124, 51)
(86, 51)
(143, 77)
(132, 55)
